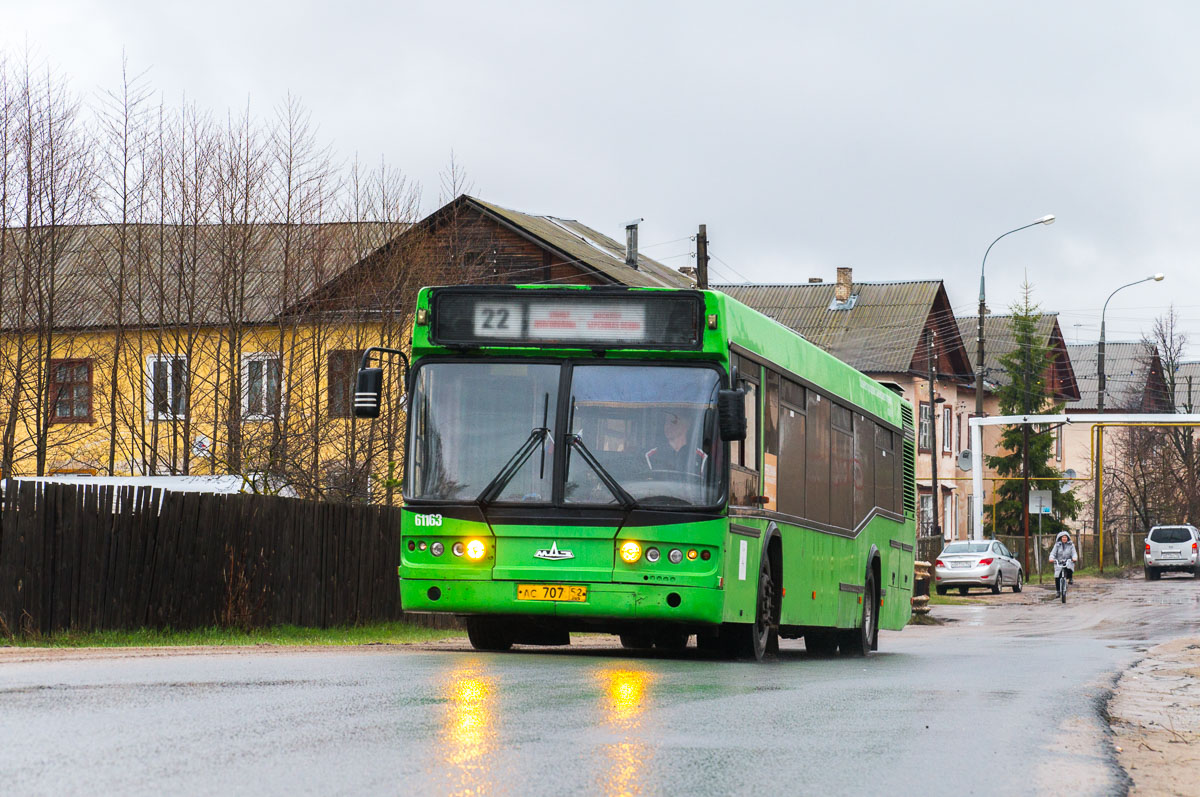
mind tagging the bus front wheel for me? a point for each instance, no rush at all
(488, 633)
(752, 640)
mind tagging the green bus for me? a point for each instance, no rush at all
(650, 463)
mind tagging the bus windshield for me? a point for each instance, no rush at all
(648, 432)
(652, 428)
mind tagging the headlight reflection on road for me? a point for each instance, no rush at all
(468, 729)
(626, 698)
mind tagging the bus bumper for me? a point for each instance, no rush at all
(605, 601)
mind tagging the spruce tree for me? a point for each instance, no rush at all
(1025, 394)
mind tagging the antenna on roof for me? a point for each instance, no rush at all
(631, 255)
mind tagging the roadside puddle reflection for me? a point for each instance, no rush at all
(626, 699)
(468, 732)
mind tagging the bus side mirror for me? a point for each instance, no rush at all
(731, 414)
(367, 392)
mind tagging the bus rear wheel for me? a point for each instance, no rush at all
(820, 643)
(488, 633)
(671, 640)
(862, 640)
(636, 640)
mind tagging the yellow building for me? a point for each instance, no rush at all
(218, 349)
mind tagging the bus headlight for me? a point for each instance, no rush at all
(676, 556)
(630, 552)
(652, 555)
(475, 549)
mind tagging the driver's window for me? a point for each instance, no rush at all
(743, 480)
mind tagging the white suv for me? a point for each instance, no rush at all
(1172, 548)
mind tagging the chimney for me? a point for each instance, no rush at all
(631, 255)
(842, 291)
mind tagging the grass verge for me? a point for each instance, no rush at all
(950, 600)
(284, 635)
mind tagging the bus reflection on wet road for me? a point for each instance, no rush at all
(468, 734)
(626, 699)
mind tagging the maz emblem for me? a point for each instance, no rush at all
(553, 553)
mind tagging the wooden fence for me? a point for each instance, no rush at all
(102, 557)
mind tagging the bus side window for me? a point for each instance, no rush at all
(841, 471)
(864, 467)
(770, 459)
(744, 476)
(792, 452)
(885, 469)
(818, 451)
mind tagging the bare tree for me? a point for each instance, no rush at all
(124, 127)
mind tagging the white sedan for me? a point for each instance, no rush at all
(977, 564)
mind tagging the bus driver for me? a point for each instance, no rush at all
(676, 454)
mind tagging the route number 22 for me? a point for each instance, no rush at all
(497, 320)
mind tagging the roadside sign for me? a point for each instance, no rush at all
(1040, 502)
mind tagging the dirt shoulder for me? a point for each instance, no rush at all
(1155, 717)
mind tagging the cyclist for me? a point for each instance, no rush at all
(1063, 556)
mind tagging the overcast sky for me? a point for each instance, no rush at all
(899, 138)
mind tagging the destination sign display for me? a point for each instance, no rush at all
(505, 317)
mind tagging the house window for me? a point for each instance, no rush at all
(926, 515)
(261, 385)
(947, 430)
(949, 521)
(925, 432)
(961, 442)
(1058, 444)
(166, 386)
(342, 377)
(71, 391)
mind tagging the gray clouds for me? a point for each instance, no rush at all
(897, 138)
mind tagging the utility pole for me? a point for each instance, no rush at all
(702, 258)
(1025, 488)
(933, 448)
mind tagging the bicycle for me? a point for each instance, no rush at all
(1062, 578)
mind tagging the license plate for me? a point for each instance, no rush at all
(960, 564)
(1170, 555)
(552, 592)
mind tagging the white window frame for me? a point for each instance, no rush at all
(925, 514)
(151, 411)
(260, 357)
(949, 521)
(947, 429)
(925, 426)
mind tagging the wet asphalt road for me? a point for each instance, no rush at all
(1005, 698)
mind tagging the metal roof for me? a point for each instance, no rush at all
(178, 275)
(878, 334)
(999, 339)
(1186, 373)
(1133, 374)
(580, 243)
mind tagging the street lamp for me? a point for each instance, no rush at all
(1102, 384)
(1047, 219)
(1100, 350)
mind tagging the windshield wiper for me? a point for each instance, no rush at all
(627, 501)
(506, 474)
